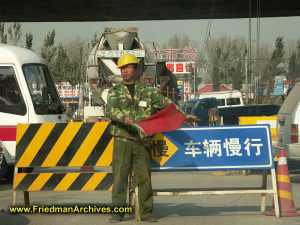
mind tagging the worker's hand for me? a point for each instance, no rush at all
(128, 120)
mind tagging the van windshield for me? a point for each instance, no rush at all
(291, 100)
(42, 90)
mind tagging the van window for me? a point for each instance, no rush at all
(291, 101)
(42, 90)
(233, 101)
(221, 102)
(11, 100)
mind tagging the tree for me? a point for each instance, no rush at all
(3, 36)
(179, 42)
(15, 33)
(28, 40)
(236, 73)
(216, 69)
(294, 64)
(60, 65)
(48, 51)
(227, 57)
(274, 67)
(77, 50)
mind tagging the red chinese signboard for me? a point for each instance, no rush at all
(180, 67)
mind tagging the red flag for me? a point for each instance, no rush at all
(165, 120)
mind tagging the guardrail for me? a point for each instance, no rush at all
(43, 149)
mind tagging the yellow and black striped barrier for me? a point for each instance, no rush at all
(54, 147)
(63, 181)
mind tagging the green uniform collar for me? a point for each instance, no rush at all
(137, 90)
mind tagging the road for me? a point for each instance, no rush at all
(238, 209)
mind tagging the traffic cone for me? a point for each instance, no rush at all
(285, 197)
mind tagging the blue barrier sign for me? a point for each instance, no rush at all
(214, 148)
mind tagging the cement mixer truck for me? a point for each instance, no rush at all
(103, 73)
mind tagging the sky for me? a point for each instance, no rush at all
(160, 31)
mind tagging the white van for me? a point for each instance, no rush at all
(226, 98)
(288, 123)
(27, 95)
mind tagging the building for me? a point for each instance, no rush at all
(69, 95)
(209, 88)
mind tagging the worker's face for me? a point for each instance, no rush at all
(128, 72)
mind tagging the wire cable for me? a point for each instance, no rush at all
(208, 28)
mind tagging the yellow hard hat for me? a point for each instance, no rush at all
(126, 59)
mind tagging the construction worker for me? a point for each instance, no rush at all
(131, 101)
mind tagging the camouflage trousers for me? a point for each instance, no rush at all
(127, 156)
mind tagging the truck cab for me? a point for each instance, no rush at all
(27, 95)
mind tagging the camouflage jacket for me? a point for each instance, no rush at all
(147, 101)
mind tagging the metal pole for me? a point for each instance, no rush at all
(258, 42)
(168, 91)
(246, 79)
(249, 40)
(160, 87)
(194, 71)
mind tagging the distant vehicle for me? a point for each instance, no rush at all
(288, 123)
(225, 98)
(27, 95)
(188, 105)
(200, 108)
(230, 115)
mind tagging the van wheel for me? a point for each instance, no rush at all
(3, 169)
(10, 173)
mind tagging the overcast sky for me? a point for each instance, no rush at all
(160, 31)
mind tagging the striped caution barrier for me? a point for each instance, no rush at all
(63, 181)
(62, 146)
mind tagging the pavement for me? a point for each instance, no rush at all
(238, 209)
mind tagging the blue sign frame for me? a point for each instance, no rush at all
(216, 148)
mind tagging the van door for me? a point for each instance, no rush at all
(13, 107)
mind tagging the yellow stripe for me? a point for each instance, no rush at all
(283, 178)
(88, 144)
(285, 194)
(35, 144)
(21, 129)
(66, 182)
(110, 189)
(93, 181)
(61, 145)
(18, 178)
(40, 182)
(106, 158)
